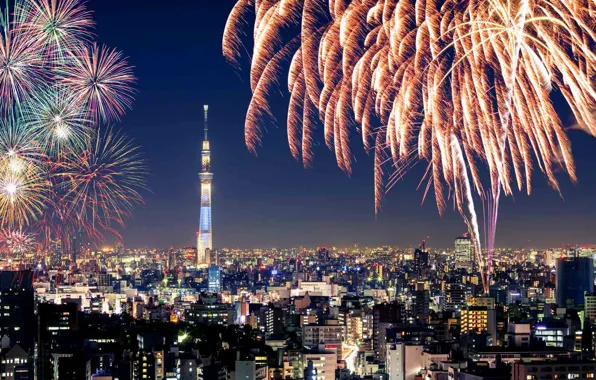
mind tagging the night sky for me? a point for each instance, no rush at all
(270, 200)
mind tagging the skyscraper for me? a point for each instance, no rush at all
(575, 276)
(171, 260)
(16, 302)
(463, 252)
(214, 278)
(56, 332)
(205, 234)
(421, 261)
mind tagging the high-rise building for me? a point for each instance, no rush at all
(420, 303)
(171, 260)
(575, 276)
(477, 319)
(75, 248)
(354, 328)
(323, 254)
(57, 325)
(16, 302)
(274, 320)
(463, 252)
(214, 279)
(214, 257)
(205, 233)
(421, 261)
(404, 360)
(385, 316)
(590, 306)
(457, 296)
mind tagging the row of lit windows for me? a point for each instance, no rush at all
(15, 361)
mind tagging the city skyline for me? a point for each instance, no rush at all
(197, 191)
(269, 200)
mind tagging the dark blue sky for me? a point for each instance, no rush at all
(269, 200)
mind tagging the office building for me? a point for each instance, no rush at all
(421, 260)
(171, 260)
(385, 316)
(464, 253)
(483, 301)
(575, 276)
(552, 332)
(274, 320)
(420, 303)
(328, 335)
(209, 314)
(457, 296)
(214, 278)
(56, 332)
(16, 305)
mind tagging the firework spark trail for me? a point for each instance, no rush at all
(57, 122)
(55, 27)
(462, 85)
(101, 183)
(16, 241)
(100, 80)
(59, 172)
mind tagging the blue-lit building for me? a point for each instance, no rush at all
(214, 279)
(552, 332)
(575, 276)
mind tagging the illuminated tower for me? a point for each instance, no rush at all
(205, 234)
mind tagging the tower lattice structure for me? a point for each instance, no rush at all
(205, 232)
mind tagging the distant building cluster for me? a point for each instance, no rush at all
(315, 314)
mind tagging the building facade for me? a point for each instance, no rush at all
(463, 252)
(214, 279)
(575, 276)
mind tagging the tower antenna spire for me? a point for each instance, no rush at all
(206, 121)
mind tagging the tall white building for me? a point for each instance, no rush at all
(464, 254)
(205, 233)
(404, 361)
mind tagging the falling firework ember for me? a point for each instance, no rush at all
(464, 86)
(59, 172)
